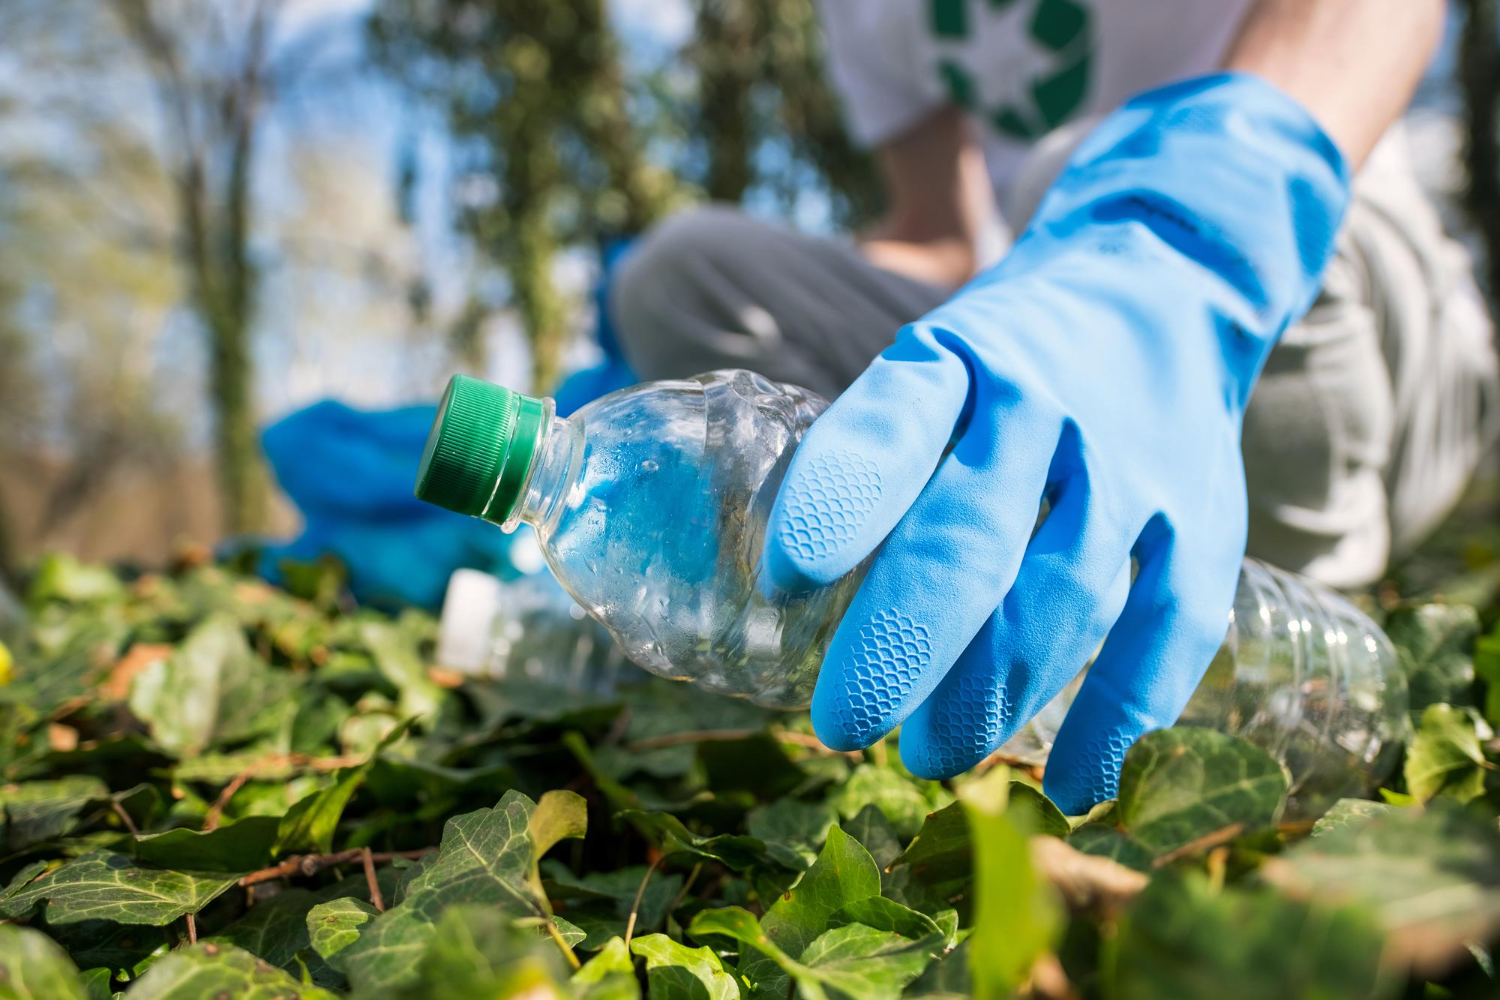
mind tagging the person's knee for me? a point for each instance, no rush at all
(659, 282)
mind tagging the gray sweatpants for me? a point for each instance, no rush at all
(1363, 431)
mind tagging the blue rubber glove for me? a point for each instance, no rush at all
(1103, 366)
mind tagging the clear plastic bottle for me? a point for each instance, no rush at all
(650, 506)
(525, 629)
(1303, 674)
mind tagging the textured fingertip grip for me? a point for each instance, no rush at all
(972, 726)
(1090, 778)
(862, 692)
(817, 520)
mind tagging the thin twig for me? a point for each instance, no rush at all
(806, 740)
(275, 760)
(192, 926)
(376, 900)
(1009, 760)
(311, 864)
(810, 742)
(124, 817)
(635, 907)
(620, 727)
(693, 736)
(1217, 864)
(215, 811)
(1223, 835)
(686, 887)
(562, 943)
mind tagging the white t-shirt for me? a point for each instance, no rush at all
(1021, 67)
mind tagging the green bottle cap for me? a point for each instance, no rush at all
(480, 449)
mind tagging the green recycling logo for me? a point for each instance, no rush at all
(1058, 67)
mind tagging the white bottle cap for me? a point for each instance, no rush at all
(465, 632)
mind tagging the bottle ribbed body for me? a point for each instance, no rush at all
(650, 505)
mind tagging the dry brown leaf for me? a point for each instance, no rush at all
(1086, 882)
(116, 684)
(445, 678)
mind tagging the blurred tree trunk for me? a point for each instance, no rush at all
(551, 125)
(726, 56)
(635, 195)
(1479, 77)
(532, 180)
(761, 74)
(10, 564)
(211, 127)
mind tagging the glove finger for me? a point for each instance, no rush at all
(864, 461)
(1174, 620)
(938, 577)
(1071, 588)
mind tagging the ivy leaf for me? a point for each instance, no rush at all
(1434, 643)
(609, 975)
(885, 915)
(1487, 669)
(677, 972)
(1431, 878)
(396, 656)
(105, 886)
(207, 969)
(476, 951)
(488, 857)
(1105, 841)
(37, 811)
(60, 576)
(853, 960)
(1031, 808)
(212, 690)
(1446, 756)
(601, 902)
(1016, 915)
(33, 967)
(1180, 784)
(237, 846)
(274, 929)
(844, 873)
(125, 947)
(1346, 813)
(895, 795)
(757, 764)
(791, 830)
(1182, 937)
(948, 978)
(875, 832)
(859, 961)
(334, 926)
(311, 822)
(736, 852)
(937, 868)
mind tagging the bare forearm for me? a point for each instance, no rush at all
(1353, 63)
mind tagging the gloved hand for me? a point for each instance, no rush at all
(1103, 366)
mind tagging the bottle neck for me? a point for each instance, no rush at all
(558, 457)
